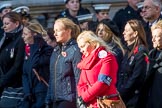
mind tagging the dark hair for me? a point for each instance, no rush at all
(112, 32)
(13, 16)
(113, 27)
(25, 15)
(92, 26)
(50, 33)
(9, 7)
(66, 1)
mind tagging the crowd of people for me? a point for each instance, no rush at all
(85, 57)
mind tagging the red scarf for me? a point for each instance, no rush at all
(89, 61)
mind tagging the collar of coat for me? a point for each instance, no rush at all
(89, 61)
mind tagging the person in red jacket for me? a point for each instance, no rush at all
(98, 70)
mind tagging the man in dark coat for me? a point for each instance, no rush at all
(151, 12)
(72, 11)
(126, 14)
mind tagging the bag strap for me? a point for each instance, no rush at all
(40, 78)
(110, 96)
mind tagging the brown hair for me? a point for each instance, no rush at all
(141, 35)
(13, 16)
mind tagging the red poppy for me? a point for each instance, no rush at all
(64, 54)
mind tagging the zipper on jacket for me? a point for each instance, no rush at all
(55, 75)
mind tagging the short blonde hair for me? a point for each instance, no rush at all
(91, 37)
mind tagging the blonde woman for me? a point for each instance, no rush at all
(153, 85)
(36, 66)
(64, 73)
(98, 70)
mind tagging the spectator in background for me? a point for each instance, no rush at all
(64, 73)
(102, 11)
(11, 59)
(73, 9)
(151, 12)
(24, 13)
(84, 20)
(133, 67)
(4, 8)
(50, 38)
(129, 12)
(36, 66)
(140, 7)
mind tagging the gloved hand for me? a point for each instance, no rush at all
(81, 103)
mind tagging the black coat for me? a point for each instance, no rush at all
(1, 30)
(117, 52)
(131, 76)
(124, 15)
(65, 14)
(39, 60)
(11, 59)
(151, 91)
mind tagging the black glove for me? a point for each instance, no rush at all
(81, 103)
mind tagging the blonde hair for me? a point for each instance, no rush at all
(69, 24)
(37, 28)
(91, 37)
(158, 25)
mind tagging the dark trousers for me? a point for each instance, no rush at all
(64, 104)
(38, 101)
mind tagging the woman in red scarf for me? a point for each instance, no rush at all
(99, 69)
